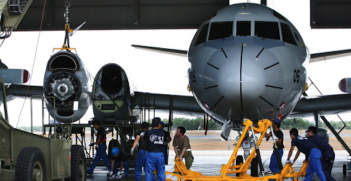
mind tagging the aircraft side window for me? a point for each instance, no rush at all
(287, 34)
(202, 35)
(266, 29)
(243, 28)
(220, 30)
(297, 37)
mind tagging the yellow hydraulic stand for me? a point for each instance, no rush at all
(233, 169)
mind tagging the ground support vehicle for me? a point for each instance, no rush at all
(26, 156)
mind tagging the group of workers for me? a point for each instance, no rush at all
(152, 154)
(316, 149)
(153, 145)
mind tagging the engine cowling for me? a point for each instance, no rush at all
(66, 84)
(111, 94)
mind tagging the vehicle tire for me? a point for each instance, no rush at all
(254, 167)
(30, 165)
(238, 161)
(78, 164)
(344, 169)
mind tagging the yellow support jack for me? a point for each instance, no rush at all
(232, 168)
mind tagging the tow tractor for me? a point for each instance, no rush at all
(236, 171)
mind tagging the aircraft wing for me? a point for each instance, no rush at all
(182, 104)
(329, 55)
(182, 53)
(17, 90)
(323, 105)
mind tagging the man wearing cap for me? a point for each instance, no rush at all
(182, 147)
(101, 148)
(155, 159)
(311, 152)
(328, 154)
(167, 140)
(278, 138)
(118, 161)
(142, 152)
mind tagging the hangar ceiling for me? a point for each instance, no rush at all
(121, 14)
(330, 13)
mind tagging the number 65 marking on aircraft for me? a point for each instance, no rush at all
(296, 76)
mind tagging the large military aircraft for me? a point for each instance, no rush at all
(247, 62)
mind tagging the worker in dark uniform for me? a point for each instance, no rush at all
(155, 158)
(311, 152)
(101, 148)
(278, 138)
(118, 161)
(328, 154)
(141, 155)
(165, 144)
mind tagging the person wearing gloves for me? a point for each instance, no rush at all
(311, 152)
(278, 138)
(118, 161)
(101, 148)
(142, 152)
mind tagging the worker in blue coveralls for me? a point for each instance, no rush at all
(328, 154)
(118, 161)
(168, 139)
(101, 148)
(155, 158)
(278, 138)
(142, 152)
(311, 152)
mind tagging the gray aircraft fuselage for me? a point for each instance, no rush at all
(247, 62)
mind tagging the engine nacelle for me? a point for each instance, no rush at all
(66, 84)
(111, 94)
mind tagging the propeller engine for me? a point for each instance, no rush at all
(66, 87)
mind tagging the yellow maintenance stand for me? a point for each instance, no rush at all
(232, 168)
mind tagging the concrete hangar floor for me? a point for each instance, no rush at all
(209, 163)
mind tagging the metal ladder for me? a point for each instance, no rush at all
(331, 128)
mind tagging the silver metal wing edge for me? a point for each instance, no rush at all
(316, 57)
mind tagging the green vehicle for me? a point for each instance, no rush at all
(29, 157)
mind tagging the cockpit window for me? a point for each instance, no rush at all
(266, 29)
(202, 35)
(221, 30)
(288, 37)
(243, 28)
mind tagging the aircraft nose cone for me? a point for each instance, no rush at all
(242, 80)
